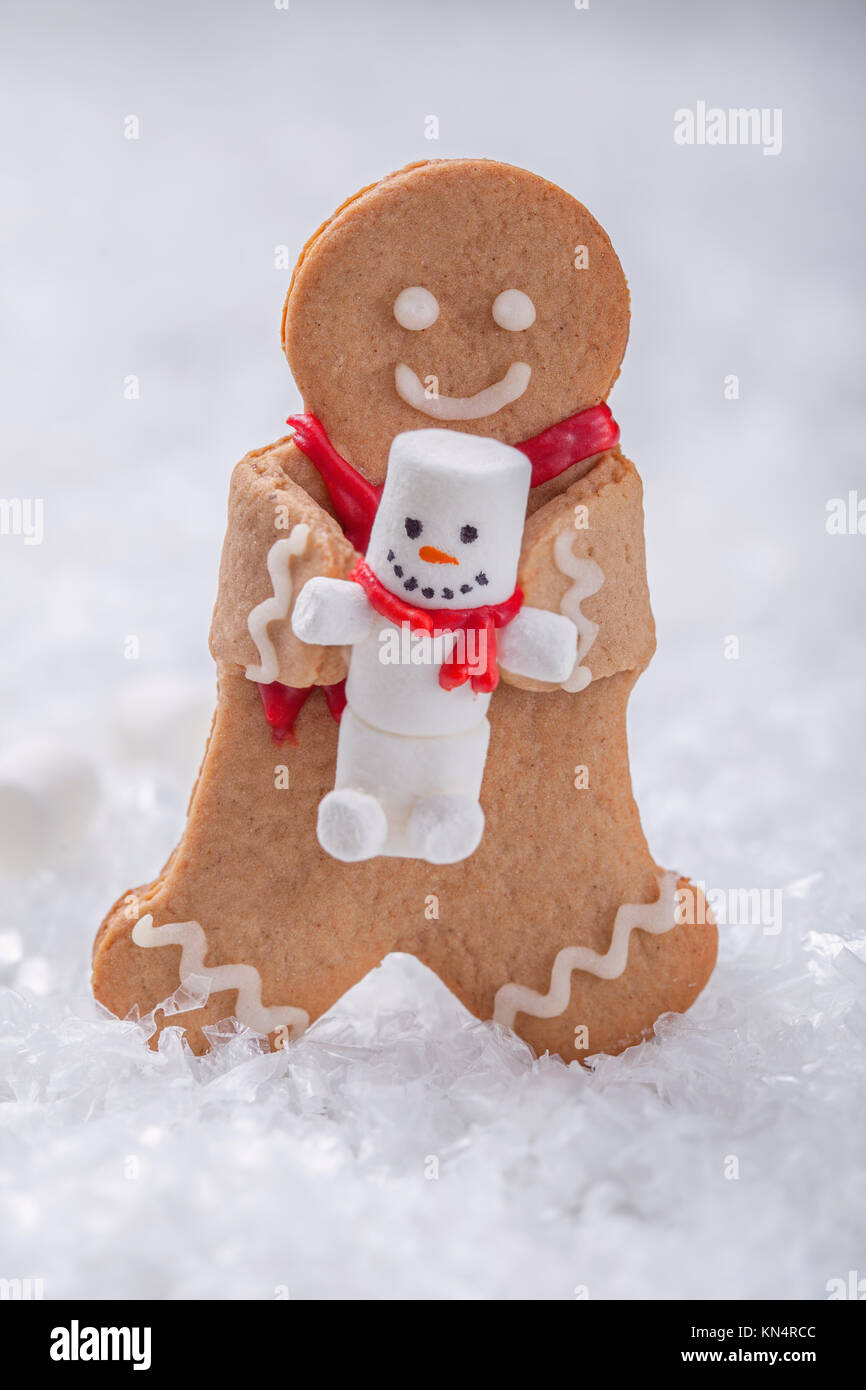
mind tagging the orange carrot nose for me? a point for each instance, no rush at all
(436, 557)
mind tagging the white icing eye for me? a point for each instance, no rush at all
(514, 310)
(416, 308)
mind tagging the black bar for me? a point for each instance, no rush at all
(59, 1337)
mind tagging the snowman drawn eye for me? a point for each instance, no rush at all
(415, 308)
(468, 534)
(513, 310)
(413, 528)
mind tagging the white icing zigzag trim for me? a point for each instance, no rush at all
(655, 918)
(280, 571)
(249, 1008)
(588, 579)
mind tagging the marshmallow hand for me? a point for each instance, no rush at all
(332, 613)
(540, 645)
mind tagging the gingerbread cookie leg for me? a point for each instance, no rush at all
(248, 897)
(572, 939)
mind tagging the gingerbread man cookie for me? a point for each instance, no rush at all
(450, 545)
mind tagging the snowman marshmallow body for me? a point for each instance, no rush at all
(444, 549)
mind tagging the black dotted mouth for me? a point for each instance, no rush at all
(411, 584)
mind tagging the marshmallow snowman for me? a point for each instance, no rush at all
(413, 737)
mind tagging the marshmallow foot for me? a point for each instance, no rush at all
(446, 829)
(351, 825)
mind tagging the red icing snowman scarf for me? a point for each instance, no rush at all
(355, 499)
(483, 620)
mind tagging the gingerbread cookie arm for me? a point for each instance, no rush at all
(583, 556)
(278, 537)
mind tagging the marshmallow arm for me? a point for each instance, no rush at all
(332, 613)
(538, 644)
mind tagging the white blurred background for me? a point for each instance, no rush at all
(156, 258)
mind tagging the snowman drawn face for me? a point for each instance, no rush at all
(448, 529)
(431, 586)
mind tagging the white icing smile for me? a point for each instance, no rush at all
(485, 402)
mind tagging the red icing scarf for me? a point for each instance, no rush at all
(483, 620)
(355, 499)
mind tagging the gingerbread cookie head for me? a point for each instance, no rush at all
(464, 294)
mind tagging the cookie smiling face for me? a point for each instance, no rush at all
(462, 293)
(416, 308)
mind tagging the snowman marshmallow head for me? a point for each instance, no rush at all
(449, 525)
